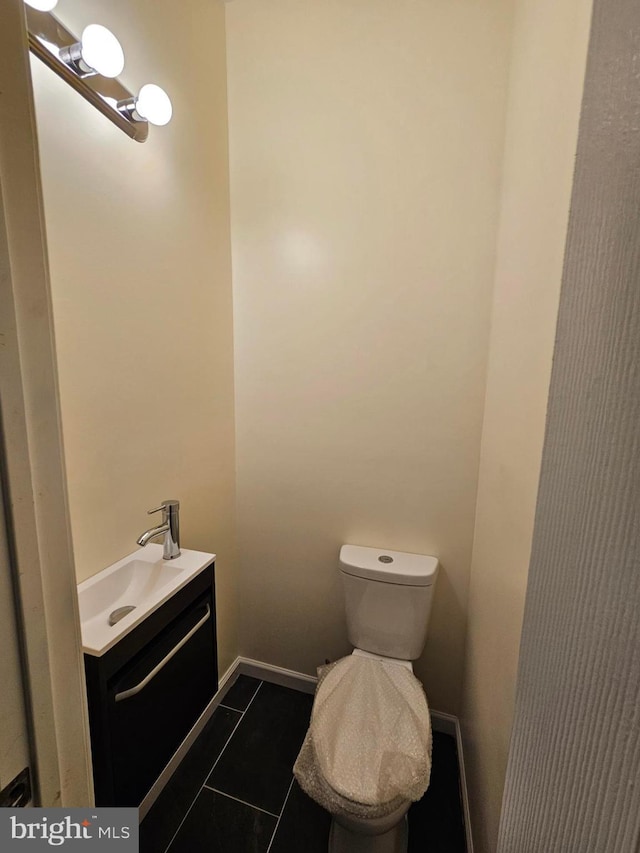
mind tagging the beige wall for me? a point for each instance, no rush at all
(140, 266)
(547, 71)
(366, 142)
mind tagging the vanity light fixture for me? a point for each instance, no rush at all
(42, 5)
(97, 52)
(91, 65)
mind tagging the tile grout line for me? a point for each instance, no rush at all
(232, 733)
(238, 800)
(186, 814)
(286, 799)
(239, 710)
(231, 708)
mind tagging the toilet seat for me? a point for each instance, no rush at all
(367, 753)
(365, 729)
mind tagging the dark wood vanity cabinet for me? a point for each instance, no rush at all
(146, 693)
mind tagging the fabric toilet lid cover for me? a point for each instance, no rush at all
(371, 731)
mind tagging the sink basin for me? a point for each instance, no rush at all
(132, 583)
(142, 581)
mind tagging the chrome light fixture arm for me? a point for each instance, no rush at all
(62, 52)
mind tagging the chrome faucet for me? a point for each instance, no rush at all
(170, 527)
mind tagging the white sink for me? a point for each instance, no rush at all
(143, 581)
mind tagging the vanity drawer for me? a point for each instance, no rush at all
(155, 701)
(148, 691)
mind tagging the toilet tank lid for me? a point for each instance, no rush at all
(388, 566)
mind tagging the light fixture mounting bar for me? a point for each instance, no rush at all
(47, 37)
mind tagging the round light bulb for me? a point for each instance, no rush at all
(102, 51)
(154, 105)
(42, 5)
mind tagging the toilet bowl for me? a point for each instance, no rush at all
(367, 754)
(371, 835)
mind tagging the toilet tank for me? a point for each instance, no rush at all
(388, 598)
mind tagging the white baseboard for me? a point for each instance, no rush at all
(440, 722)
(277, 675)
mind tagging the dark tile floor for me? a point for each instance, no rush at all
(234, 791)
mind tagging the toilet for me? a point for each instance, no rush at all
(367, 754)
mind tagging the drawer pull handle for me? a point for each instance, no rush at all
(127, 694)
